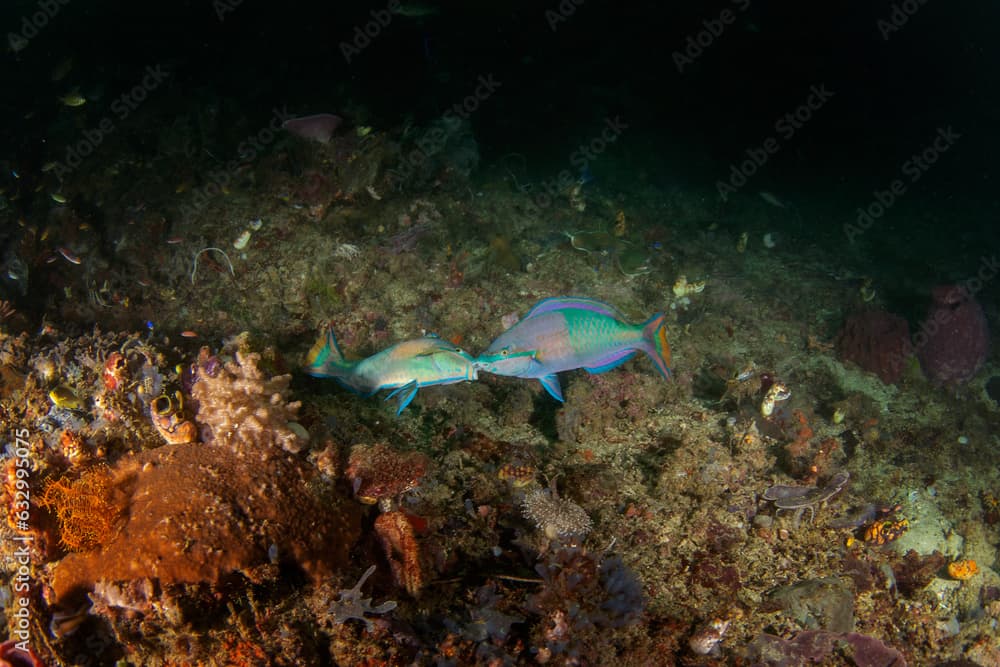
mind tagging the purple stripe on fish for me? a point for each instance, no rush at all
(561, 303)
(607, 363)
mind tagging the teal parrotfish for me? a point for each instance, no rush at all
(404, 367)
(564, 333)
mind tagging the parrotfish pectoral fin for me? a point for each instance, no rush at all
(654, 335)
(551, 384)
(325, 358)
(611, 362)
(406, 392)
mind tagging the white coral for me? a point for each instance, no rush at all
(346, 251)
(244, 410)
(349, 604)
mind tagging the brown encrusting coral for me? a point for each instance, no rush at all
(379, 473)
(198, 512)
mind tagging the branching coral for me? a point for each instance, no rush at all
(88, 517)
(240, 408)
(349, 604)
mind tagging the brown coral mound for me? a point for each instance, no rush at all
(380, 473)
(877, 341)
(197, 513)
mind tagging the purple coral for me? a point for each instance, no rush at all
(877, 341)
(815, 646)
(954, 339)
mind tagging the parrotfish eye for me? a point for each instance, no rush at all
(505, 352)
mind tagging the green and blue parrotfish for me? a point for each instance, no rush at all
(405, 367)
(564, 333)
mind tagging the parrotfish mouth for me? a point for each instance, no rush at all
(507, 362)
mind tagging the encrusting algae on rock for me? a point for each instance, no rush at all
(196, 512)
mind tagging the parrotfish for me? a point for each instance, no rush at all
(404, 367)
(564, 333)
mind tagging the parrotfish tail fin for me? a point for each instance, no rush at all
(406, 394)
(325, 359)
(654, 334)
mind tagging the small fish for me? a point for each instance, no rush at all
(415, 10)
(405, 367)
(598, 241)
(73, 99)
(63, 397)
(68, 255)
(772, 200)
(61, 69)
(564, 333)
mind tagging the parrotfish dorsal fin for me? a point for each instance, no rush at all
(563, 302)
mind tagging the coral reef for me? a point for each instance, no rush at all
(581, 597)
(954, 338)
(191, 513)
(196, 513)
(817, 646)
(877, 341)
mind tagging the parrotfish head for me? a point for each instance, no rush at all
(463, 364)
(507, 361)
